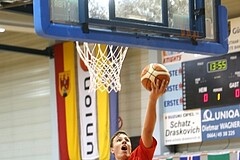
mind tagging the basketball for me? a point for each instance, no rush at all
(152, 72)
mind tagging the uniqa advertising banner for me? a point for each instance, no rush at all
(221, 123)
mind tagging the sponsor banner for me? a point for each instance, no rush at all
(172, 99)
(234, 37)
(221, 123)
(88, 116)
(182, 127)
(170, 57)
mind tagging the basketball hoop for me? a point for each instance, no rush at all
(104, 63)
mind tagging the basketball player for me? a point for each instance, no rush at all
(120, 142)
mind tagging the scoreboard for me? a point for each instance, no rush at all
(211, 82)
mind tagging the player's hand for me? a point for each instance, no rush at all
(158, 89)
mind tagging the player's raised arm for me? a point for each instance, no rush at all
(158, 89)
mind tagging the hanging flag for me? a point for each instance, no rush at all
(219, 156)
(88, 115)
(115, 120)
(190, 157)
(103, 123)
(195, 157)
(66, 101)
(184, 158)
(61, 112)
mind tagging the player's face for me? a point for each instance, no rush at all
(121, 147)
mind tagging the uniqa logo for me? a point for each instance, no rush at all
(208, 115)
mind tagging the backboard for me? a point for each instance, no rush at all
(195, 26)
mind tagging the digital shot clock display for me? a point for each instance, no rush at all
(218, 65)
(211, 82)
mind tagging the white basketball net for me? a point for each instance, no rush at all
(104, 63)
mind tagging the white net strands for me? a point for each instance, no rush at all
(104, 63)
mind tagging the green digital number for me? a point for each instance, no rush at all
(219, 65)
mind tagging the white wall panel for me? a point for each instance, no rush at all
(133, 97)
(25, 113)
(129, 97)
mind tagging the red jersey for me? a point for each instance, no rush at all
(142, 153)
